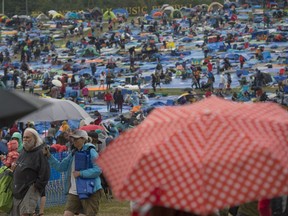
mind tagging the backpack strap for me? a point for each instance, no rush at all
(4, 172)
(88, 150)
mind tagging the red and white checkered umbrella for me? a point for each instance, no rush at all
(201, 157)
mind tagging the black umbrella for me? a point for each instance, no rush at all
(15, 105)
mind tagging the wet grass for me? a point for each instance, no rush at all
(107, 208)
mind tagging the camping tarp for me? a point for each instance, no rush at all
(266, 55)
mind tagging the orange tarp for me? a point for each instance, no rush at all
(97, 88)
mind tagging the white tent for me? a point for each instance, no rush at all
(52, 12)
(42, 16)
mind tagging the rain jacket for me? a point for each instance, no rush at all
(12, 155)
(66, 165)
(32, 168)
(20, 143)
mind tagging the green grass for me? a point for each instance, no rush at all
(107, 208)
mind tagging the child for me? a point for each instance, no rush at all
(31, 86)
(10, 159)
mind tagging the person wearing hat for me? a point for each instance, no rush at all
(64, 126)
(18, 137)
(31, 174)
(94, 140)
(74, 204)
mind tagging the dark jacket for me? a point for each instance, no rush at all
(32, 167)
(119, 99)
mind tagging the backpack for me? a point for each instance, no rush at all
(84, 186)
(279, 206)
(6, 196)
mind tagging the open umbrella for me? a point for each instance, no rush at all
(58, 110)
(91, 127)
(15, 104)
(201, 157)
(57, 82)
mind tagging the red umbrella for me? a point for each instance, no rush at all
(91, 127)
(201, 157)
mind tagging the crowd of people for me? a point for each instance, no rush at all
(30, 157)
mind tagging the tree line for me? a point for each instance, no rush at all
(19, 7)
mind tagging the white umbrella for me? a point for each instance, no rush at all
(58, 110)
(57, 83)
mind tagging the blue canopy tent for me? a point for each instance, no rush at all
(121, 12)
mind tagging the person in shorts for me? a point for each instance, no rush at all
(31, 175)
(75, 204)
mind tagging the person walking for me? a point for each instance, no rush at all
(241, 61)
(31, 175)
(197, 75)
(102, 79)
(154, 81)
(119, 100)
(75, 204)
(109, 78)
(229, 81)
(93, 68)
(108, 97)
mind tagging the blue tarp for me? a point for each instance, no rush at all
(216, 46)
(121, 12)
(242, 72)
(266, 55)
(254, 35)
(280, 78)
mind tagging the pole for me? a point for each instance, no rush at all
(26, 7)
(3, 5)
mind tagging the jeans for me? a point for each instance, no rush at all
(109, 104)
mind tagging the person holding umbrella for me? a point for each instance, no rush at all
(55, 91)
(191, 172)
